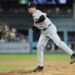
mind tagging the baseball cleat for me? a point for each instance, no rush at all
(72, 58)
(38, 69)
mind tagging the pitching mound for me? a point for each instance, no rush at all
(50, 68)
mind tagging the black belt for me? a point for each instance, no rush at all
(46, 28)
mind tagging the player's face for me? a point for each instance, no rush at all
(31, 10)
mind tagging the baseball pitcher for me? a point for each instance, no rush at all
(49, 31)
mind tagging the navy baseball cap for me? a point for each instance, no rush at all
(31, 5)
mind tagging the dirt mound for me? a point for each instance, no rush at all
(50, 68)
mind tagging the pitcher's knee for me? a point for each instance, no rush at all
(39, 47)
(59, 43)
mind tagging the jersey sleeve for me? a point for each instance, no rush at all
(37, 15)
(41, 19)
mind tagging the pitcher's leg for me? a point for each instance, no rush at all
(41, 44)
(61, 44)
(54, 36)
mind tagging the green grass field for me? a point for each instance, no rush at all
(29, 57)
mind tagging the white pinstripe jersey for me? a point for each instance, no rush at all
(43, 24)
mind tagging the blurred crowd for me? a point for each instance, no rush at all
(8, 34)
(45, 9)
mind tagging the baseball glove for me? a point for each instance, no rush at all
(35, 29)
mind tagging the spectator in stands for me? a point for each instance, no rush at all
(3, 31)
(8, 34)
(13, 34)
